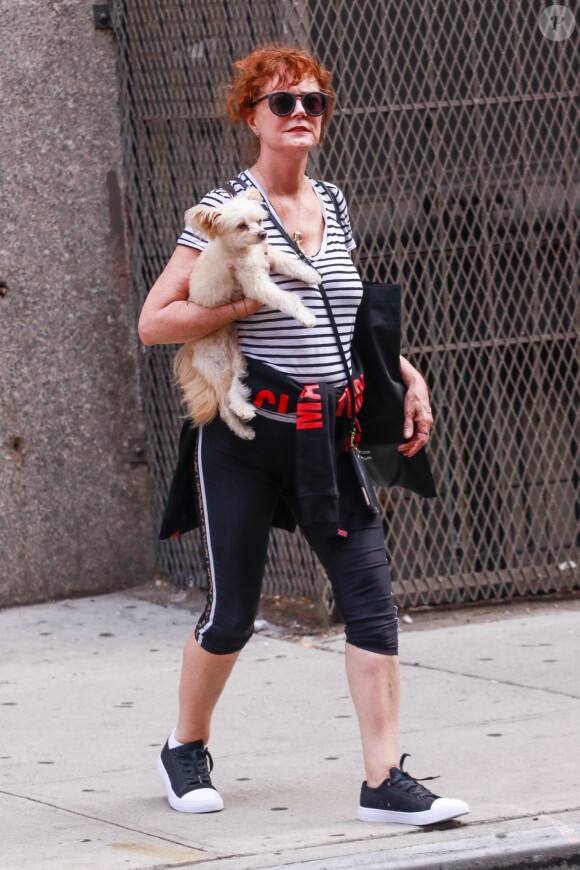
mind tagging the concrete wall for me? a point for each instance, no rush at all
(74, 487)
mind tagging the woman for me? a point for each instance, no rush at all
(283, 95)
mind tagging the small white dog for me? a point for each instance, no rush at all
(210, 371)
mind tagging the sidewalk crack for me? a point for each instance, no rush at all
(489, 679)
(104, 821)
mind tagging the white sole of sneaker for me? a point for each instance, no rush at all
(202, 800)
(427, 817)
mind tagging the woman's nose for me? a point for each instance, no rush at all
(298, 107)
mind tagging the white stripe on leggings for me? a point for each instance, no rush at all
(207, 538)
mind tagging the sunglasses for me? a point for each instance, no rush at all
(283, 102)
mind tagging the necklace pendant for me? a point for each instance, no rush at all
(298, 238)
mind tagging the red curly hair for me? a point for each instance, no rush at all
(284, 64)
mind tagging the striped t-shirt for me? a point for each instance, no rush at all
(308, 355)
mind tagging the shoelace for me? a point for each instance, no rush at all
(409, 784)
(194, 764)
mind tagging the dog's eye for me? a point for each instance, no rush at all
(243, 227)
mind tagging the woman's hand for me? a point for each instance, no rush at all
(418, 418)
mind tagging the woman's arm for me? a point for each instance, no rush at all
(417, 409)
(168, 318)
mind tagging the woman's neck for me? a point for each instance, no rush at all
(282, 178)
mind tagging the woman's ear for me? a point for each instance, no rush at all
(205, 218)
(251, 122)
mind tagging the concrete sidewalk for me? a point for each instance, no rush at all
(88, 694)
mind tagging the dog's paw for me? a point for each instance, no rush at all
(246, 414)
(244, 410)
(308, 319)
(312, 276)
(235, 422)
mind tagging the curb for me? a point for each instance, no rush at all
(553, 847)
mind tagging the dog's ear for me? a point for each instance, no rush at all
(253, 194)
(204, 218)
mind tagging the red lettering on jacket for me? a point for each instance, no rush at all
(344, 405)
(359, 388)
(309, 416)
(308, 412)
(341, 404)
(310, 391)
(267, 396)
(264, 396)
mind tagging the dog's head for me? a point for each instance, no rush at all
(237, 222)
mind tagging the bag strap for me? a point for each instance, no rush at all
(334, 201)
(304, 257)
(332, 196)
(229, 187)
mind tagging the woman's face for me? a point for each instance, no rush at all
(287, 133)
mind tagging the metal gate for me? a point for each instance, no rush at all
(455, 139)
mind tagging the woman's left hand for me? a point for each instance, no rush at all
(417, 410)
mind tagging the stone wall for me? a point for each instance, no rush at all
(74, 484)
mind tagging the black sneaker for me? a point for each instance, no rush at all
(402, 799)
(186, 775)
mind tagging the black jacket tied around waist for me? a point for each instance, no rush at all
(375, 349)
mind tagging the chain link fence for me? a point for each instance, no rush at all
(455, 139)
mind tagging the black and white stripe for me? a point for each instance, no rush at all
(208, 615)
(307, 355)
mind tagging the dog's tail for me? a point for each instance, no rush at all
(198, 397)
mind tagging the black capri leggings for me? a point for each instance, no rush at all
(239, 484)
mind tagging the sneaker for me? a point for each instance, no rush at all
(186, 775)
(402, 799)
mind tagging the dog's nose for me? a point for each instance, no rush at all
(262, 235)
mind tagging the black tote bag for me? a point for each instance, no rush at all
(376, 347)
